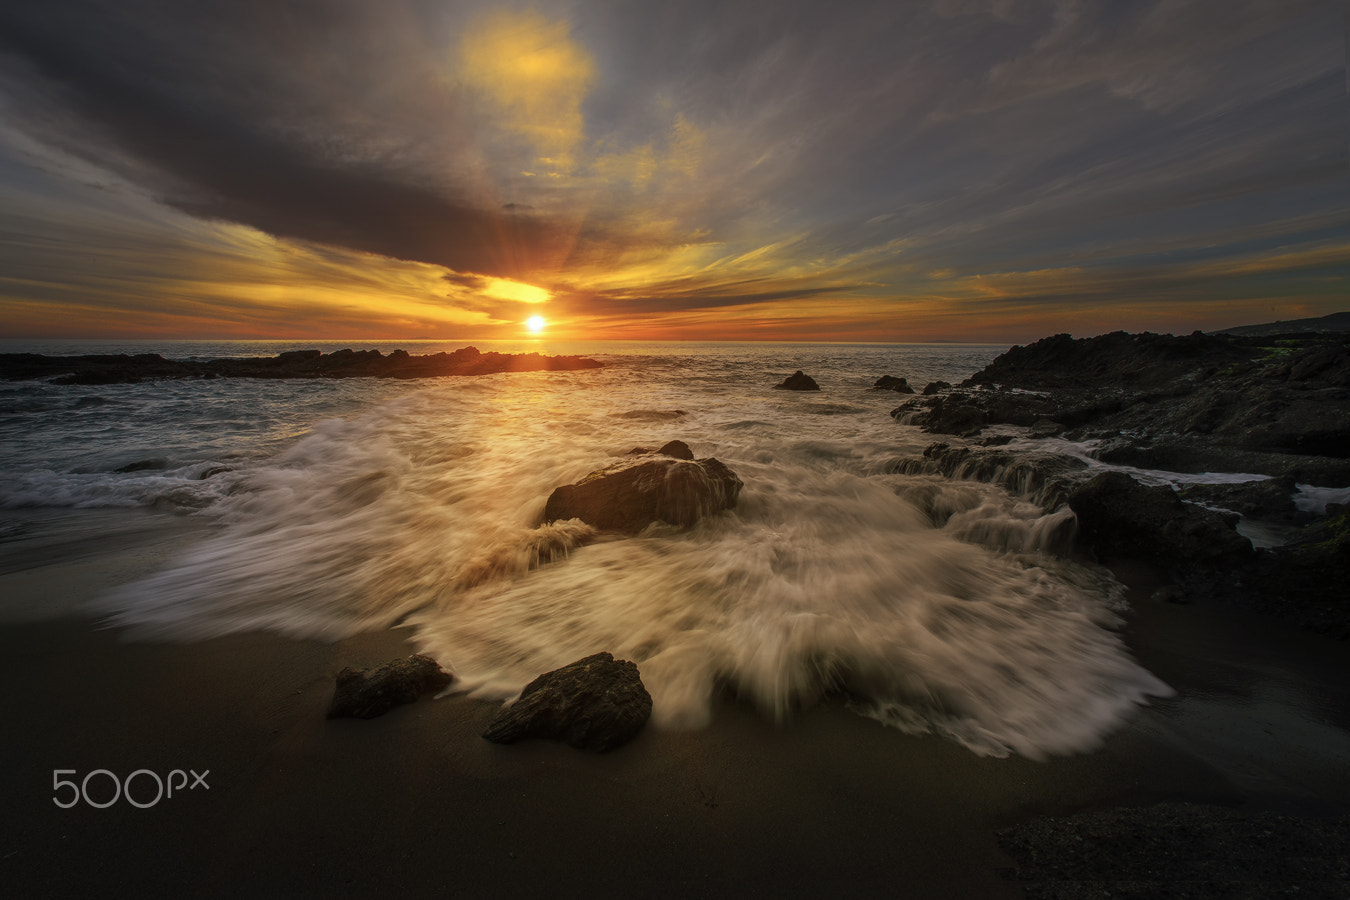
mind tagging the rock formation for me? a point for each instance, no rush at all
(596, 703)
(1276, 406)
(649, 487)
(891, 383)
(1118, 516)
(365, 694)
(125, 369)
(797, 382)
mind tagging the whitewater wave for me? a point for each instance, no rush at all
(936, 606)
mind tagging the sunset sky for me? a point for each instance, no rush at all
(987, 170)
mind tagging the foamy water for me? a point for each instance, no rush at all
(937, 606)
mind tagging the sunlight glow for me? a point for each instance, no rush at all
(506, 289)
(535, 324)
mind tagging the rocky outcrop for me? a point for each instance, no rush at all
(596, 703)
(365, 694)
(1045, 478)
(650, 487)
(1117, 361)
(1271, 499)
(125, 369)
(1302, 582)
(797, 382)
(1270, 406)
(1275, 406)
(891, 383)
(967, 413)
(1118, 516)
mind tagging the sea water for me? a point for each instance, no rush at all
(341, 505)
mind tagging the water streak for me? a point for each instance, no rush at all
(936, 605)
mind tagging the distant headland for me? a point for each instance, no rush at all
(129, 369)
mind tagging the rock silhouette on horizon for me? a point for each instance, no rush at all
(126, 369)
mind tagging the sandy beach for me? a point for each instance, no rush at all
(293, 803)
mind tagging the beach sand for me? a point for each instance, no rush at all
(416, 799)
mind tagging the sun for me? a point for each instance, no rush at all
(535, 324)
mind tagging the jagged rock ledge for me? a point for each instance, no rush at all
(1198, 403)
(1278, 407)
(127, 369)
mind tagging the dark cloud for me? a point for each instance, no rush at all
(203, 131)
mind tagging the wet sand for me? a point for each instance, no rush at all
(298, 804)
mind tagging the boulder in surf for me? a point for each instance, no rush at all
(640, 490)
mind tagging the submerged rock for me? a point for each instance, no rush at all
(1044, 478)
(674, 449)
(797, 382)
(596, 703)
(652, 487)
(365, 694)
(891, 383)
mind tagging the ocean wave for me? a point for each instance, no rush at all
(936, 606)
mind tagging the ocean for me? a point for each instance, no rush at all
(321, 508)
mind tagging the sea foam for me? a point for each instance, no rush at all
(828, 578)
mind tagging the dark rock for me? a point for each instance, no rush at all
(1195, 403)
(144, 465)
(1276, 406)
(295, 356)
(365, 694)
(1299, 582)
(891, 383)
(1271, 499)
(798, 382)
(652, 415)
(1191, 453)
(596, 703)
(1044, 478)
(1116, 360)
(936, 387)
(966, 413)
(630, 495)
(345, 363)
(1118, 516)
(674, 449)
(953, 415)
(1169, 594)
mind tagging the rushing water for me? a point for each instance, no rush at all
(343, 505)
